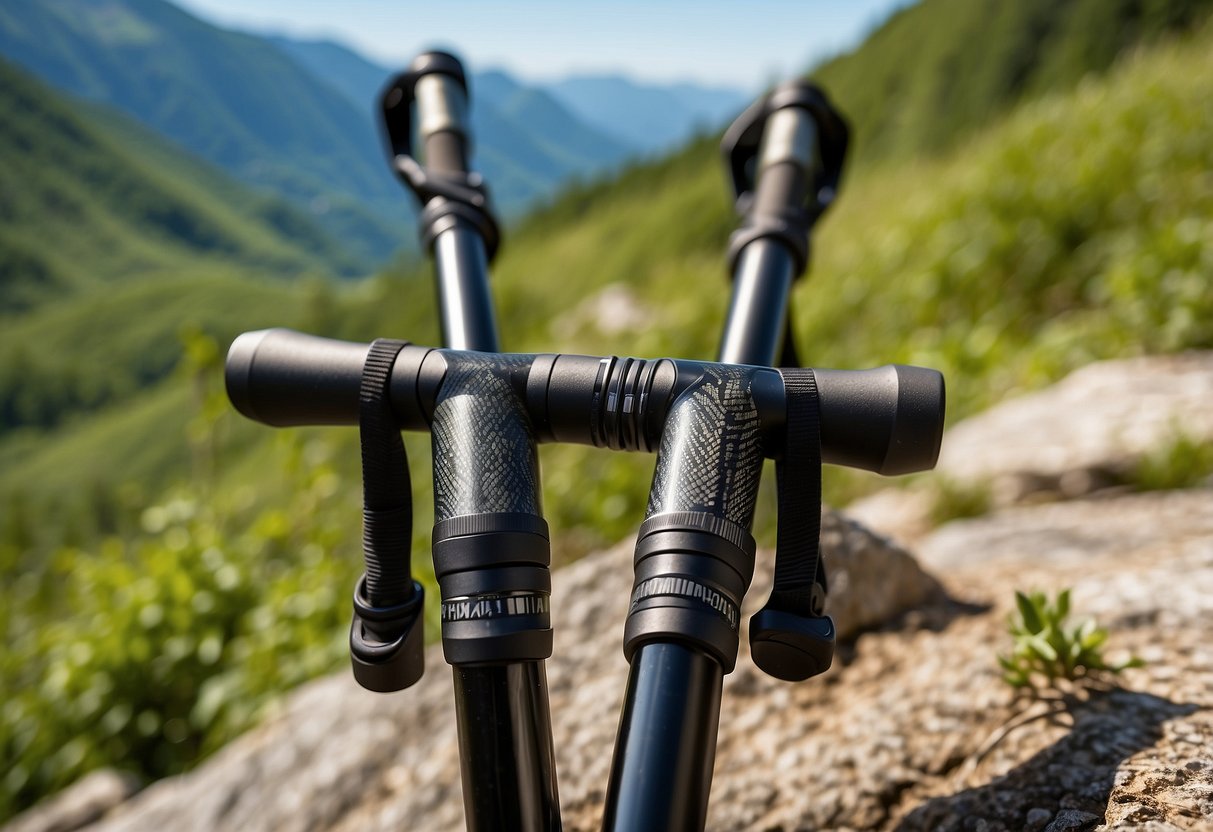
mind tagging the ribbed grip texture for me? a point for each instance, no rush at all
(387, 514)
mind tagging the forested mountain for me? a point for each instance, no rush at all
(87, 197)
(289, 117)
(91, 204)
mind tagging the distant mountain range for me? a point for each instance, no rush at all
(230, 98)
(650, 117)
(297, 119)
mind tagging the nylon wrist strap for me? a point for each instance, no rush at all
(385, 634)
(387, 498)
(799, 584)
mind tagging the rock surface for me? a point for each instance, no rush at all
(1100, 417)
(1066, 441)
(338, 757)
(912, 729)
(81, 804)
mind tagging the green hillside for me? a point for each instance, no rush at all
(939, 69)
(1074, 228)
(230, 98)
(87, 198)
(91, 204)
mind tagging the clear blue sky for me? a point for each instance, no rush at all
(740, 44)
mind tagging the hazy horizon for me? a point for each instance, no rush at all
(708, 43)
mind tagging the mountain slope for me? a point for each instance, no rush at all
(232, 99)
(92, 203)
(86, 198)
(940, 69)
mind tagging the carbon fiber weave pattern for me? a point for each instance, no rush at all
(711, 453)
(483, 445)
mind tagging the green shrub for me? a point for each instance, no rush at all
(149, 653)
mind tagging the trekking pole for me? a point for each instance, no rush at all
(695, 554)
(456, 221)
(712, 425)
(490, 542)
(784, 155)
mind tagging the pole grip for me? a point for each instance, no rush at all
(888, 419)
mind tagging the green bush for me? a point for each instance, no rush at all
(147, 654)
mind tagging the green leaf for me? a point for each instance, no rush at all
(1095, 638)
(1043, 648)
(1063, 605)
(1016, 680)
(1028, 611)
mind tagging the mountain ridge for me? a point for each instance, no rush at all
(223, 95)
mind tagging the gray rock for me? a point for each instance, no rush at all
(1072, 820)
(1066, 441)
(911, 730)
(1098, 418)
(78, 805)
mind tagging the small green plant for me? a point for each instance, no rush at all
(956, 500)
(1046, 647)
(1184, 462)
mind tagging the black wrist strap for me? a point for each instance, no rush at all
(790, 637)
(387, 495)
(385, 635)
(799, 585)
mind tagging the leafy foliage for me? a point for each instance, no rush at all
(148, 651)
(1046, 646)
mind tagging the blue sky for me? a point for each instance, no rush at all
(744, 45)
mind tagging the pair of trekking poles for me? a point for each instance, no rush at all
(712, 425)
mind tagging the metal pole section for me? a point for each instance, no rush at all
(463, 292)
(466, 305)
(662, 773)
(762, 279)
(507, 762)
(753, 332)
(505, 748)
